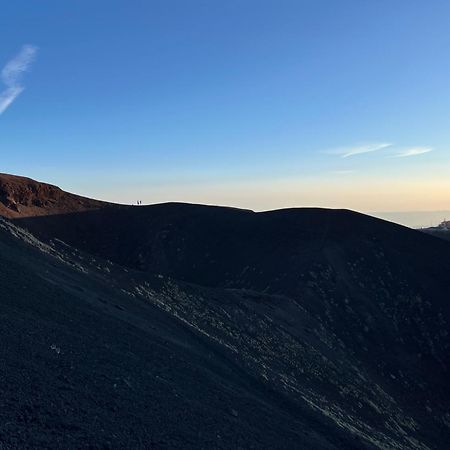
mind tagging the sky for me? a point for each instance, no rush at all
(259, 104)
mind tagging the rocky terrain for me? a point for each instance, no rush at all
(24, 197)
(186, 326)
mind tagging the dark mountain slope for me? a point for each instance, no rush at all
(274, 251)
(336, 321)
(87, 365)
(376, 291)
(104, 356)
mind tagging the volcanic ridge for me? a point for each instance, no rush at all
(191, 326)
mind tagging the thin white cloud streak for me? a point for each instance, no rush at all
(8, 96)
(12, 73)
(347, 152)
(412, 152)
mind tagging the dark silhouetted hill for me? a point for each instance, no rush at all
(298, 328)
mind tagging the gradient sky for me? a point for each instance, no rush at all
(253, 103)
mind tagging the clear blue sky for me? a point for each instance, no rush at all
(251, 103)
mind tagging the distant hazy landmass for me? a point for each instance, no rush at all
(414, 219)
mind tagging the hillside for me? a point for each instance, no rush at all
(24, 197)
(225, 328)
(88, 364)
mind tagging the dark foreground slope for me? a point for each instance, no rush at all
(345, 313)
(97, 356)
(88, 364)
(301, 328)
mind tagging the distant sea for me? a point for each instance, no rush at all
(414, 219)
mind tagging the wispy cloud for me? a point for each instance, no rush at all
(12, 73)
(412, 152)
(346, 152)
